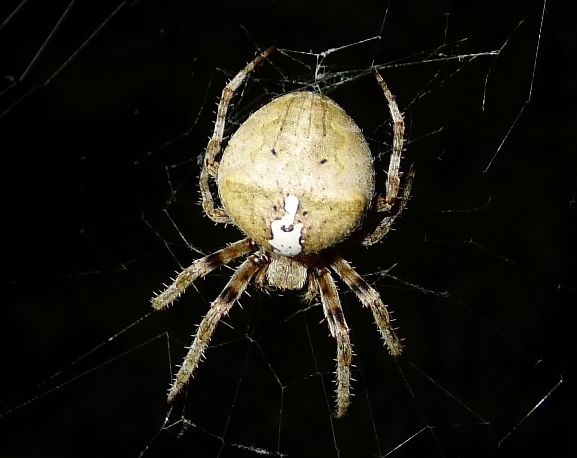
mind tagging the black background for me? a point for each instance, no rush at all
(100, 140)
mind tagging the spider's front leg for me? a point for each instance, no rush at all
(199, 269)
(369, 297)
(340, 331)
(219, 308)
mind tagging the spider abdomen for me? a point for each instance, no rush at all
(297, 176)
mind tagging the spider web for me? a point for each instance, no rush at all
(105, 111)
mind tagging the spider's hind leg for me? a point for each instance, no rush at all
(389, 202)
(397, 208)
(210, 163)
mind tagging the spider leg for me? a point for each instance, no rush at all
(383, 227)
(200, 268)
(340, 331)
(369, 297)
(210, 163)
(219, 308)
(389, 202)
(393, 181)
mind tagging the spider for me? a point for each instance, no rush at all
(297, 177)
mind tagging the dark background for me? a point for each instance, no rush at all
(100, 139)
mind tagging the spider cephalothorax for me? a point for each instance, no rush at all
(297, 178)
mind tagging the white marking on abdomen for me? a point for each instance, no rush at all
(286, 234)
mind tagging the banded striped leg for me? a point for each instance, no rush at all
(199, 269)
(340, 331)
(390, 202)
(210, 163)
(219, 308)
(393, 182)
(383, 228)
(369, 297)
